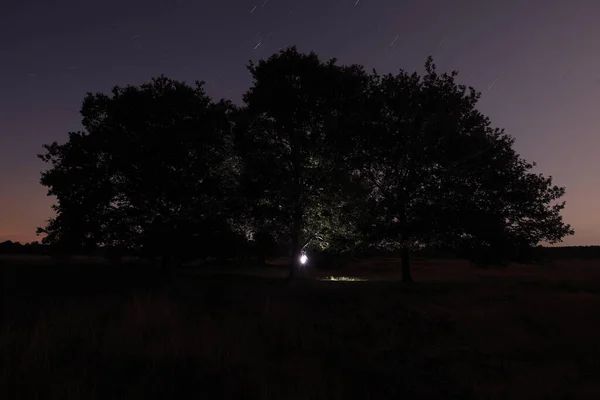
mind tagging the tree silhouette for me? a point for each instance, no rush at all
(284, 142)
(320, 155)
(152, 171)
(437, 172)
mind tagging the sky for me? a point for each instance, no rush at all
(536, 62)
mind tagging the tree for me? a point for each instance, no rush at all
(284, 141)
(438, 173)
(152, 171)
(78, 182)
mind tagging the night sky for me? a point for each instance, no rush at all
(537, 64)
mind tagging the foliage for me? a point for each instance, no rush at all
(437, 172)
(285, 143)
(320, 156)
(151, 171)
(33, 248)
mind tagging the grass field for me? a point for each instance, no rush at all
(90, 331)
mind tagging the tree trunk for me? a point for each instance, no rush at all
(294, 262)
(297, 196)
(406, 273)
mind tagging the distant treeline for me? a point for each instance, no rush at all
(33, 248)
(538, 253)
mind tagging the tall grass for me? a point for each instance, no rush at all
(251, 338)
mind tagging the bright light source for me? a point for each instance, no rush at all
(303, 259)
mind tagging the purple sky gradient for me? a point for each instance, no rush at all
(536, 62)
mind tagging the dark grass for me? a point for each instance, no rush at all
(87, 331)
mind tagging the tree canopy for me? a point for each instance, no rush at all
(152, 170)
(319, 154)
(438, 173)
(287, 144)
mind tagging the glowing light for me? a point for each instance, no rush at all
(303, 259)
(342, 279)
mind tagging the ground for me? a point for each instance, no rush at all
(91, 331)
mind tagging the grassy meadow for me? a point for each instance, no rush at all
(87, 330)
